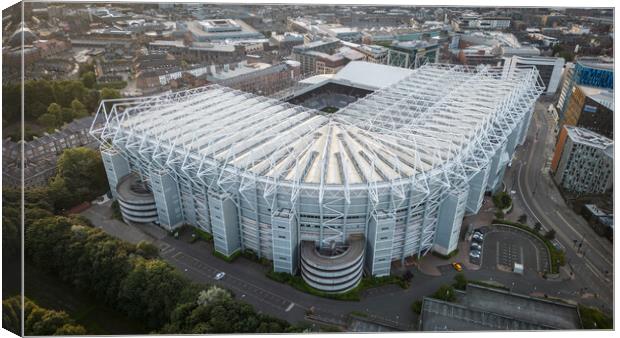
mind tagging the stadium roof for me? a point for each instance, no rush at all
(435, 116)
(372, 75)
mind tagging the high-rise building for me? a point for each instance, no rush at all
(591, 108)
(589, 71)
(583, 161)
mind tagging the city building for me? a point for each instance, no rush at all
(583, 161)
(589, 71)
(341, 32)
(388, 176)
(306, 54)
(591, 108)
(259, 78)
(549, 68)
(41, 153)
(221, 29)
(481, 308)
(390, 34)
(412, 54)
(478, 55)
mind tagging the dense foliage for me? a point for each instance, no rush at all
(215, 312)
(39, 321)
(592, 318)
(445, 293)
(41, 94)
(50, 104)
(126, 277)
(502, 200)
(130, 278)
(80, 176)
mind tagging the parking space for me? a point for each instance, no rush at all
(505, 246)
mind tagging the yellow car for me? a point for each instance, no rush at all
(457, 266)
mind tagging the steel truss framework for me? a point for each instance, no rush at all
(397, 151)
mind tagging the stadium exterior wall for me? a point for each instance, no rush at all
(249, 212)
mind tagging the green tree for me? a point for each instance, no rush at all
(147, 250)
(110, 93)
(12, 102)
(49, 121)
(11, 314)
(66, 115)
(460, 281)
(213, 295)
(445, 293)
(38, 321)
(34, 109)
(150, 291)
(54, 109)
(88, 79)
(593, 318)
(416, 307)
(78, 109)
(80, 172)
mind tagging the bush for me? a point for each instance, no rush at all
(445, 293)
(228, 259)
(207, 237)
(116, 211)
(550, 235)
(251, 255)
(460, 281)
(593, 318)
(502, 200)
(416, 307)
(298, 283)
(499, 214)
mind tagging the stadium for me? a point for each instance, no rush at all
(330, 196)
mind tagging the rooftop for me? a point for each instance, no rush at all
(483, 308)
(414, 125)
(590, 138)
(601, 95)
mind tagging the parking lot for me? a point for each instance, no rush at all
(505, 246)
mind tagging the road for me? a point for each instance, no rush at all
(539, 197)
(248, 281)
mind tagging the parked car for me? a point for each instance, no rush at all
(220, 275)
(475, 246)
(457, 266)
(478, 237)
(474, 254)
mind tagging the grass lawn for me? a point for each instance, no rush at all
(50, 292)
(330, 110)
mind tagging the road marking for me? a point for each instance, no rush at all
(230, 285)
(289, 307)
(585, 240)
(232, 278)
